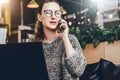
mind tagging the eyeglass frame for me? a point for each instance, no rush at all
(52, 13)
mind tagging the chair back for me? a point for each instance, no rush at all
(3, 35)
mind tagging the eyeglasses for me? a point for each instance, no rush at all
(49, 13)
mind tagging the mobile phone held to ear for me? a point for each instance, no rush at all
(60, 29)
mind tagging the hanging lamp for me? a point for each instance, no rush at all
(33, 4)
(63, 10)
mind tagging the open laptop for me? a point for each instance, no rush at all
(22, 61)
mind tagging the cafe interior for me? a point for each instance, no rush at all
(97, 22)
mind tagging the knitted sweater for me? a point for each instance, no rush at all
(60, 68)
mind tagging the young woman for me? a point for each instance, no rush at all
(63, 54)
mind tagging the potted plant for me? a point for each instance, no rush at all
(97, 42)
(95, 35)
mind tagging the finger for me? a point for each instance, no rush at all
(63, 21)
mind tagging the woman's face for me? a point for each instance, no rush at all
(50, 15)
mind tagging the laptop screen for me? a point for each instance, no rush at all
(22, 61)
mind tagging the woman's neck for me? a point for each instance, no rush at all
(50, 36)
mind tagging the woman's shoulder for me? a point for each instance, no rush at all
(72, 36)
(34, 40)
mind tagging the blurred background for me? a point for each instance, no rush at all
(78, 13)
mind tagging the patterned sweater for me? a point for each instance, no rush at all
(60, 68)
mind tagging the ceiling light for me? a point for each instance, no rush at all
(111, 16)
(70, 23)
(4, 1)
(63, 10)
(33, 4)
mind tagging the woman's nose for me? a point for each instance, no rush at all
(53, 16)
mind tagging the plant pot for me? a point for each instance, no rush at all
(92, 54)
(112, 52)
(104, 50)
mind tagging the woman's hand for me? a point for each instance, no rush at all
(63, 33)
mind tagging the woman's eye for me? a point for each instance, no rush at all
(48, 12)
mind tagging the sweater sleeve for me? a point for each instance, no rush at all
(76, 63)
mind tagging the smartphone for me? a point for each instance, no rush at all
(60, 29)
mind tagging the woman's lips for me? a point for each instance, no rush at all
(53, 22)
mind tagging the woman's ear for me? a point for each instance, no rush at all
(39, 17)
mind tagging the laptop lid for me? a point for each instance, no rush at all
(22, 61)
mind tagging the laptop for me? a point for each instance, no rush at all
(22, 61)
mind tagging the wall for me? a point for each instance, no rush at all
(28, 14)
(7, 17)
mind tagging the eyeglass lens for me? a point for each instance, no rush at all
(49, 13)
